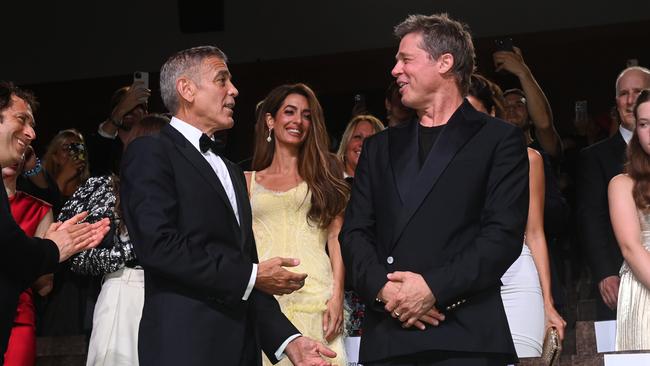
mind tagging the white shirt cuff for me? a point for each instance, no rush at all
(251, 283)
(101, 132)
(279, 354)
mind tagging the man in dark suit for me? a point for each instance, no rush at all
(207, 301)
(599, 163)
(23, 259)
(437, 213)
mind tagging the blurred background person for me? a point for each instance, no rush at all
(128, 105)
(629, 208)
(358, 129)
(116, 317)
(34, 217)
(298, 195)
(598, 164)
(68, 308)
(396, 112)
(66, 160)
(526, 290)
(528, 107)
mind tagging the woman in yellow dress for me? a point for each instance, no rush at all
(298, 196)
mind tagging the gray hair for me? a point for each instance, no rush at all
(637, 68)
(183, 63)
(440, 35)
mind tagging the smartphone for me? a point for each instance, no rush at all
(581, 110)
(504, 44)
(141, 76)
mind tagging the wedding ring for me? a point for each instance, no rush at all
(396, 313)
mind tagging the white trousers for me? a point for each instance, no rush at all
(114, 338)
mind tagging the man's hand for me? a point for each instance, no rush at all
(413, 300)
(136, 95)
(432, 317)
(72, 237)
(512, 62)
(389, 292)
(304, 351)
(273, 279)
(608, 287)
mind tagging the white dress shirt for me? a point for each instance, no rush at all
(193, 135)
(625, 133)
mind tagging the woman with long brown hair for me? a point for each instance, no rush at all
(629, 209)
(298, 196)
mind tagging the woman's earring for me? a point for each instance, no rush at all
(268, 138)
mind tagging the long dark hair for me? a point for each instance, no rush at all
(319, 168)
(638, 162)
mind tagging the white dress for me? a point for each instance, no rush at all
(633, 310)
(522, 299)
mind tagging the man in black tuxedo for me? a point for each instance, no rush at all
(437, 213)
(207, 301)
(23, 259)
(599, 163)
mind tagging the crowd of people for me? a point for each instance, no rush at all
(429, 234)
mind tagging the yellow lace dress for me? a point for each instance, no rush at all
(281, 230)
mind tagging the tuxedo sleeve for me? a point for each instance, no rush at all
(593, 219)
(499, 240)
(358, 243)
(151, 209)
(22, 258)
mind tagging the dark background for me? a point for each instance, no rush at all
(74, 62)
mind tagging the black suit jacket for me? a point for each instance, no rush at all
(197, 259)
(458, 221)
(22, 261)
(599, 163)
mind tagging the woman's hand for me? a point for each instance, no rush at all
(333, 317)
(72, 168)
(553, 319)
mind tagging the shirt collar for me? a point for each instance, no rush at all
(191, 133)
(627, 134)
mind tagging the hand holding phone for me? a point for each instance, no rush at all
(142, 76)
(504, 44)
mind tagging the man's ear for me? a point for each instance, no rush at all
(186, 88)
(445, 63)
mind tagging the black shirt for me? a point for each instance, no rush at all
(427, 136)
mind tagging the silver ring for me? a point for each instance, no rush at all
(396, 314)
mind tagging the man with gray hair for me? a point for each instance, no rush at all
(207, 299)
(437, 213)
(598, 164)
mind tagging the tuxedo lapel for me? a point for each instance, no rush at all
(403, 150)
(462, 126)
(243, 207)
(199, 163)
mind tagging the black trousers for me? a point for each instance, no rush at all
(447, 358)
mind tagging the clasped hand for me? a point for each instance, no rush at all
(273, 279)
(407, 297)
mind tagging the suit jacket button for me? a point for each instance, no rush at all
(390, 260)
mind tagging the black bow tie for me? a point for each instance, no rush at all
(206, 143)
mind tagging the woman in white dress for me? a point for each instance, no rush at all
(526, 290)
(629, 209)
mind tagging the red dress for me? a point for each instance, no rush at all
(28, 212)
